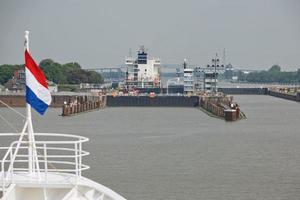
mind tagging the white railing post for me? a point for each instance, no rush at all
(19, 143)
(3, 177)
(76, 161)
(80, 158)
(11, 165)
(45, 162)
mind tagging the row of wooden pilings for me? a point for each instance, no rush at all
(213, 108)
(221, 106)
(79, 104)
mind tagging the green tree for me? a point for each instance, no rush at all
(53, 71)
(95, 77)
(71, 66)
(69, 73)
(275, 68)
(274, 74)
(7, 72)
(77, 76)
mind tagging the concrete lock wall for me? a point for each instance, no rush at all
(260, 91)
(13, 100)
(284, 95)
(298, 96)
(18, 100)
(171, 101)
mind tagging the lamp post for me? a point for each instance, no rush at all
(168, 82)
(216, 65)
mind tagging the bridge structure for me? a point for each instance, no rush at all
(111, 74)
(118, 74)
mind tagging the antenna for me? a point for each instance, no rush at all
(184, 63)
(130, 53)
(142, 48)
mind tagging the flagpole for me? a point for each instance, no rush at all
(29, 120)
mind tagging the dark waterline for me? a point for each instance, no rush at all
(181, 153)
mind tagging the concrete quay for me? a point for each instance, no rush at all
(70, 102)
(18, 99)
(292, 97)
(157, 101)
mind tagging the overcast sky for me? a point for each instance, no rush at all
(95, 33)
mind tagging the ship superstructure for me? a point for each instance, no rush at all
(142, 72)
(188, 79)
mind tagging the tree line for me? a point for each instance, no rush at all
(273, 75)
(69, 73)
(7, 71)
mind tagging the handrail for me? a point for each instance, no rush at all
(50, 156)
(81, 138)
(50, 148)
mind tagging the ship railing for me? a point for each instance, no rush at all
(54, 153)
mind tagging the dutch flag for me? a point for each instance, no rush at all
(37, 93)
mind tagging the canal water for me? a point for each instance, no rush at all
(181, 153)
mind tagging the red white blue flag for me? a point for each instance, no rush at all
(37, 92)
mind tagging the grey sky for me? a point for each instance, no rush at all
(255, 33)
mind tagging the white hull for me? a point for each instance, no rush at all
(59, 187)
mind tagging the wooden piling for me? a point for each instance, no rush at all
(81, 104)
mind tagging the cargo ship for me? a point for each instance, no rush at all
(142, 73)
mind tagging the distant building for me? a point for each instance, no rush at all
(142, 72)
(90, 86)
(198, 79)
(2, 88)
(17, 82)
(229, 72)
(210, 81)
(52, 87)
(188, 79)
